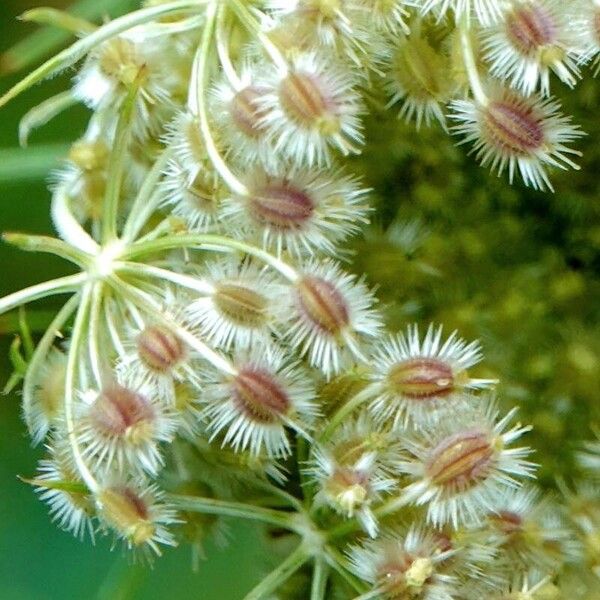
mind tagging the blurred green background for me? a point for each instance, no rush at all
(451, 243)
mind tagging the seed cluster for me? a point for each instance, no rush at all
(218, 358)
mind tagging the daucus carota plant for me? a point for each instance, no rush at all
(216, 356)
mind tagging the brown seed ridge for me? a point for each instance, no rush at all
(530, 27)
(421, 378)
(514, 126)
(240, 304)
(159, 348)
(301, 99)
(117, 409)
(323, 304)
(245, 111)
(259, 396)
(282, 206)
(461, 460)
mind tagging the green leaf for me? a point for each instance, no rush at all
(18, 164)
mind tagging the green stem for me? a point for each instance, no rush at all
(75, 52)
(116, 166)
(39, 356)
(186, 281)
(61, 285)
(352, 525)
(280, 575)
(197, 101)
(43, 113)
(239, 510)
(50, 245)
(339, 564)
(144, 206)
(470, 63)
(71, 383)
(209, 242)
(346, 410)
(94, 333)
(318, 587)
(254, 27)
(222, 40)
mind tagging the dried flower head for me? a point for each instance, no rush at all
(519, 134)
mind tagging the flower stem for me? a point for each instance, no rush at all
(318, 588)
(211, 242)
(240, 510)
(37, 361)
(254, 27)
(470, 65)
(116, 166)
(61, 285)
(280, 575)
(67, 226)
(197, 101)
(223, 51)
(346, 410)
(339, 564)
(50, 245)
(77, 336)
(143, 205)
(193, 283)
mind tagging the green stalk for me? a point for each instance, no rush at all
(71, 384)
(346, 410)
(50, 245)
(143, 207)
(61, 285)
(39, 356)
(318, 587)
(18, 164)
(116, 167)
(239, 510)
(280, 575)
(216, 243)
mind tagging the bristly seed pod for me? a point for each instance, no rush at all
(159, 348)
(258, 395)
(254, 406)
(121, 428)
(518, 133)
(136, 515)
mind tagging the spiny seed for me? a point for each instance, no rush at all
(530, 27)
(119, 60)
(302, 99)
(513, 126)
(421, 378)
(127, 512)
(259, 395)
(460, 460)
(420, 70)
(507, 521)
(322, 304)
(118, 410)
(245, 112)
(159, 348)
(89, 155)
(201, 194)
(240, 304)
(281, 205)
